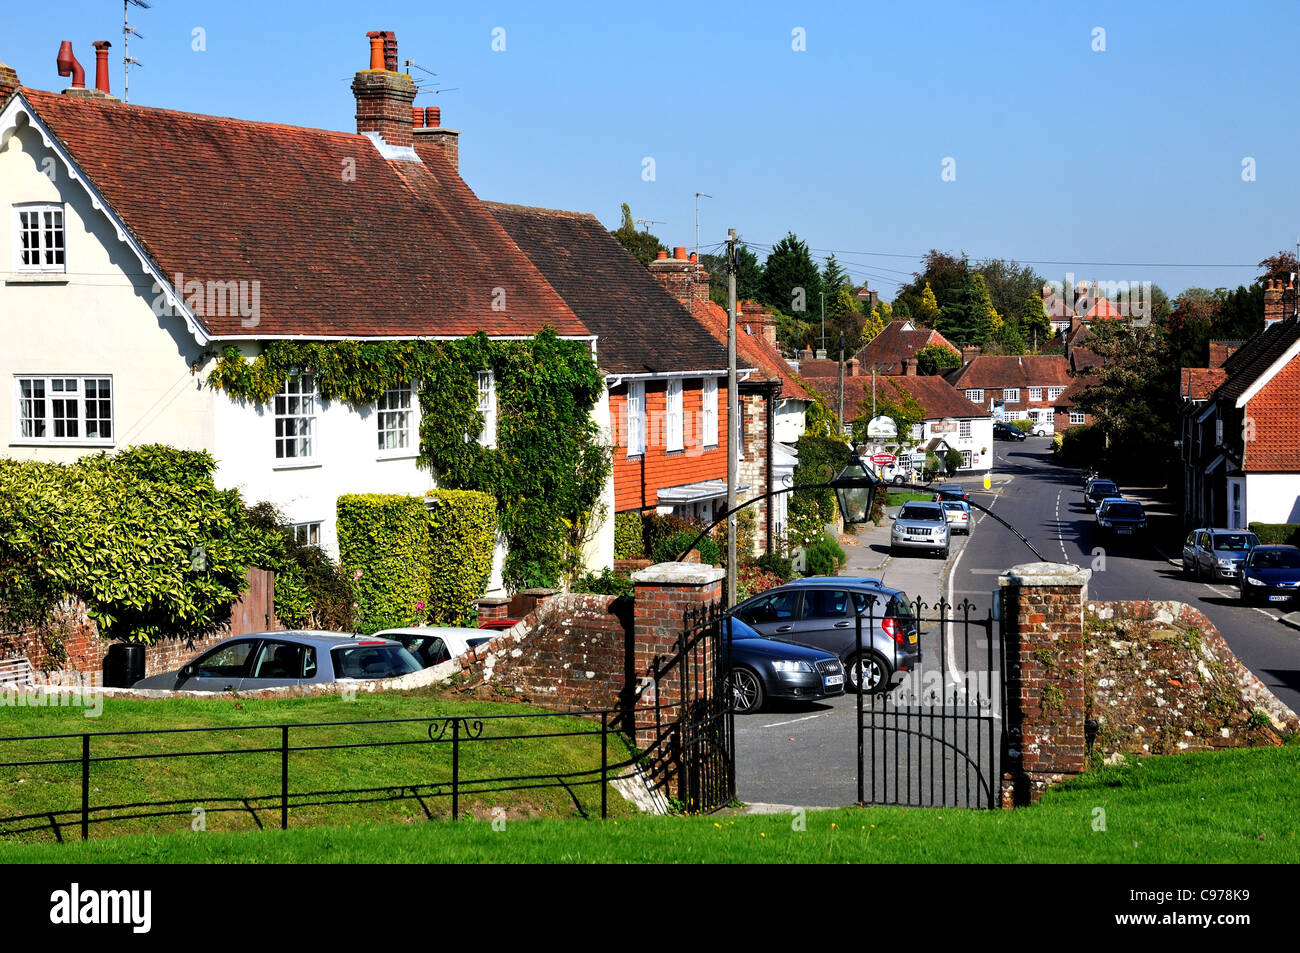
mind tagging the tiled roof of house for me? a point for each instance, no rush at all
(341, 241)
(1082, 358)
(1199, 383)
(935, 395)
(752, 350)
(641, 327)
(1255, 357)
(896, 343)
(1071, 392)
(993, 372)
(1272, 446)
(1088, 305)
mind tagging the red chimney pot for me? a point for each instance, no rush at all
(433, 117)
(661, 255)
(417, 116)
(679, 253)
(101, 65)
(376, 50)
(68, 64)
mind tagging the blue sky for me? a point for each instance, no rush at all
(1063, 155)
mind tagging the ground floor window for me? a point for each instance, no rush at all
(1076, 417)
(966, 459)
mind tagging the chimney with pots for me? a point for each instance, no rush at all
(969, 353)
(851, 367)
(431, 135)
(68, 66)
(682, 276)
(909, 366)
(8, 82)
(1272, 302)
(384, 96)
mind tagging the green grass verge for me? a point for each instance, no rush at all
(899, 497)
(1219, 807)
(217, 783)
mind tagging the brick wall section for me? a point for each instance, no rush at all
(1161, 679)
(1044, 633)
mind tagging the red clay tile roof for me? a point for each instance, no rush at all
(1087, 305)
(1082, 358)
(994, 372)
(1199, 383)
(752, 350)
(888, 349)
(938, 398)
(642, 328)
(819, 367)
(401, 249)
(1272, 410)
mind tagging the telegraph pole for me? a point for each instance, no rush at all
(841, 381)
(734, 423)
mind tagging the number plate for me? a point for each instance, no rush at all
(834, 680)
(912, 638)
(1278, 598)
(1126, 532)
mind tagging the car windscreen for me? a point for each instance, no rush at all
(1123, 511)
(956, 505)
(913, 512)
(1275, 559)
(372, 661)
(1235, 542)
(1101, 488)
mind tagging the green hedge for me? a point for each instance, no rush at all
(462, 538)
(1025, 425)
(628, 535)
(384, 543)
(1274, 533)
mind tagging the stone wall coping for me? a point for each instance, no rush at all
(493, 600)
(678, 574)
(1045, 574)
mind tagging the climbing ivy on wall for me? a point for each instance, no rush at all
(548, 466)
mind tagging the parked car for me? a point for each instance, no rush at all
(1098, 490)
(285, 659)
(1042, 429)
(952, 491)
(763, 668)
(958, 513)
(1217, 553)
(1120, 517)
(1270, 574)
(432, 645)
(920, 526)
(1004, 431)
(823, 614)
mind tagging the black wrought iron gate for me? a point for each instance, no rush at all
(936, 739)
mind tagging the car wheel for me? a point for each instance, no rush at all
(870, 677)
(745, 690)
(899, 479)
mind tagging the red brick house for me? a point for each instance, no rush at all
(890, 350)
(1013, 387)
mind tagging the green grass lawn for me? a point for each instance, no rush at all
(899, 497)
(240, 792)
(1220, 807)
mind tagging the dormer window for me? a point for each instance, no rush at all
(40, 244)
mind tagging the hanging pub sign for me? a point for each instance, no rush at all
(882, 428)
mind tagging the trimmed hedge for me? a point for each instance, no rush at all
(384, 543)
(628, 535)
(462, 538)
(1275, 533)
(1025, 425)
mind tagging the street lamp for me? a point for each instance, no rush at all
(856, 489)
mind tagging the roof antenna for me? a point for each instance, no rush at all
(129, 31)
(435, 89)
(647, 222)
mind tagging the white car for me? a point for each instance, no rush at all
(433, 644)
(1041, 429)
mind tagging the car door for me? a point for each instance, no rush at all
(277, 664)
(220, 670)
(773, 613)
(1204, 553)
(1189, 550)
(826, 621)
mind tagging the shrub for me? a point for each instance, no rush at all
(752, 579)
(820, 461)
(1082, 446)
(607, 582)
(384, 544)
(629, 539)
(746, 529)
(820, 557)
(143, 536)
(1273, 533)
(777, 565)
(462, 539)
(952, 461)
(1025, 425)
(665, 536)
(312, 591)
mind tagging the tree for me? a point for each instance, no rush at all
(935, 359)
(749, 276)
(944, 273)
(1010, 283)
(791, 280)
(968, 318)
(643, 245)
(894, 401)
(1279, 267)
(927, 311)
(1005, 337)
(1035, 325)
(872, 324)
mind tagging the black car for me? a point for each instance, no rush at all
(765, 667)
(1097, 491)
(1121, 518)
(1003, 431)
(1271, 574)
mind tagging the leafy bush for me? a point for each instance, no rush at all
(607, 582)
(629, 539)
(143, 536)
(666, 535)
(752, 579)
(1082, 446)
(746, 528)
(820, 461)
(1025, 425)
(821, 556)
(462, 539)
(384, 543)
(952, 461)
(777, 565)
(312, 591)
(1274, 533)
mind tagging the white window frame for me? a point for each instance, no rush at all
(59, 248)
(740, 430)
(1011, 395)
(1035, 394)
(709, 412)
(975, 395)
(487, 406)
(304, 433)
(49, 422)
(1054, 392)
(395, 414)
(306, 534)
(963, 430)
(967, 459)
(1077, 417)
(673, 402)
(636, 418)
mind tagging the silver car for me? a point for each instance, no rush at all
(1217, 553)
(432, 645)
(286, 659)
(920, 526)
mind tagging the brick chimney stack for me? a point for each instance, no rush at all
(430, 134)
(852, 367)
(1273, 302)
(384, 96)
(969, 353)
(909, 366)
(8, 82)
(682, 277)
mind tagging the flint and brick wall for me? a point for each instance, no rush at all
(752, 468)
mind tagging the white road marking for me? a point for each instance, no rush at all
(794, 721)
